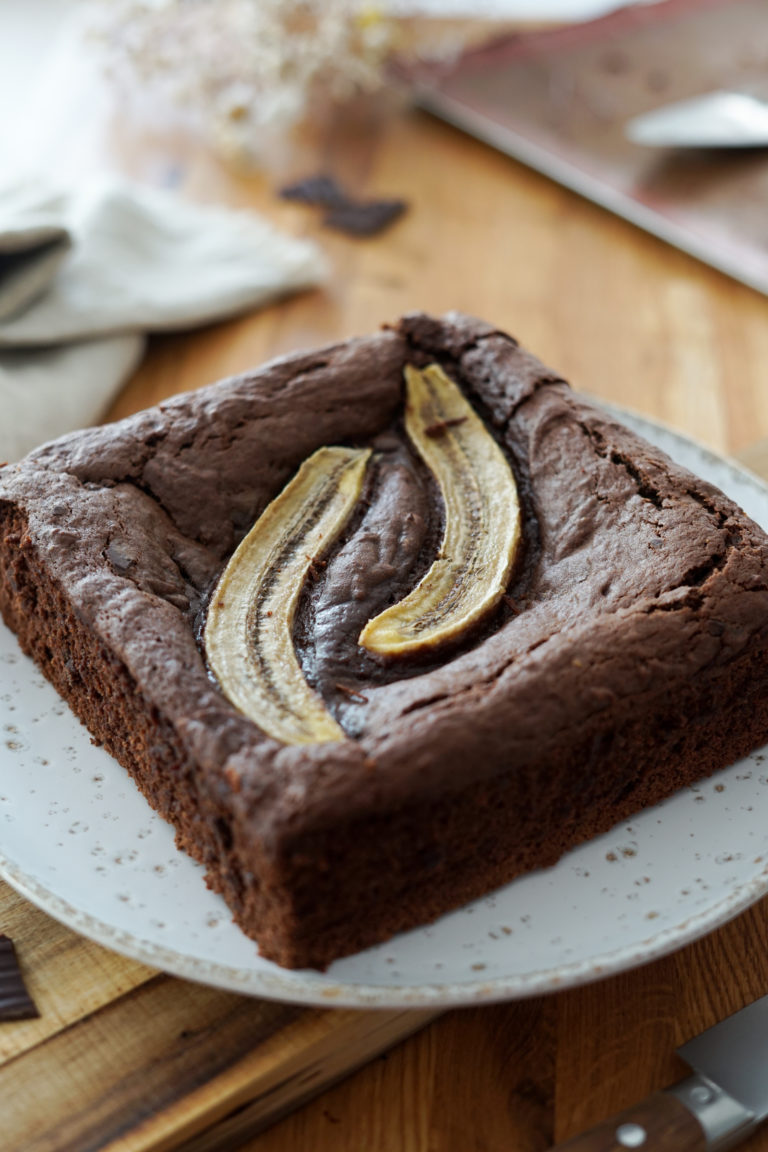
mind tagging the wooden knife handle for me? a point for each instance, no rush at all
(660, 1123)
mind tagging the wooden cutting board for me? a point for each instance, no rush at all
(126, 1059)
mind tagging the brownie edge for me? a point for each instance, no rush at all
(635, 660)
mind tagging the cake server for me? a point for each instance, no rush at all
(716, 120)
(720, 1104)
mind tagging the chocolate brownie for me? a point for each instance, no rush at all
(628, 656)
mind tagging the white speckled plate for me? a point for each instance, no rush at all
(78, 840)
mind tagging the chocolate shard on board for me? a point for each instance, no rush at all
(15, 1001)
(364, 218)
(346, 213)
(318, 191)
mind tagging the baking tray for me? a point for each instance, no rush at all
(558, 101)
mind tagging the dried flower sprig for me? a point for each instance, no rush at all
(246, 68)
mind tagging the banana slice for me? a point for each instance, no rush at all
(248, 633)
(482, 522)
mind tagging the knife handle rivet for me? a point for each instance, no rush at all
(631, 1135)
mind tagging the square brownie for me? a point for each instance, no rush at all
(627, 657)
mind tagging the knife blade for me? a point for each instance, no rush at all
(715, 120)
(720, 1104)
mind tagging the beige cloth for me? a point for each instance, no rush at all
(85, 272)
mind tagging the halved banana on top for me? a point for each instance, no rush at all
(249, 630)
(482, 522)
(248, 633)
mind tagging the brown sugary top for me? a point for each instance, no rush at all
(636, 575)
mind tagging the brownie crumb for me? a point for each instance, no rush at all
(314, 570)
(15, 1001)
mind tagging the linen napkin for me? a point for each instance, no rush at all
(86, 271)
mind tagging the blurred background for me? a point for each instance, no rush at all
(227, 102)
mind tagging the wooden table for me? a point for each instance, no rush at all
(624, 317)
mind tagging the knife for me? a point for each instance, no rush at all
(715, 120)
(724, 1100)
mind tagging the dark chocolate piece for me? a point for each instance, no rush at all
(364, 218)
(15, 1001)
(319, 191)
(355, 217)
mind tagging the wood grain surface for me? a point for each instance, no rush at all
(626, 318)
(126, 1059)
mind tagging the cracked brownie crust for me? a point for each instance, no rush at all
(628, 658)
